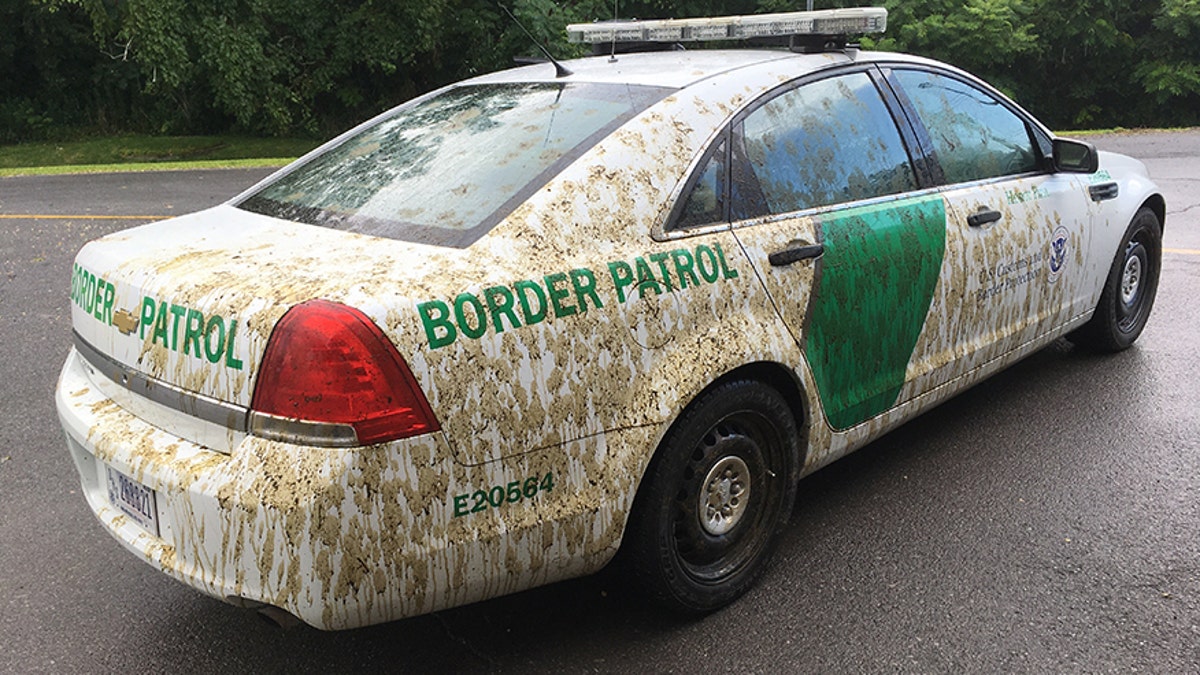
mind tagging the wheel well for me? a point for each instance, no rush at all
(782, 380)
(1158, 205)
(770, 373)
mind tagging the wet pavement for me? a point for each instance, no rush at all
(1044, 521)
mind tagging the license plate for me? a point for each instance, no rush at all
(133, 499)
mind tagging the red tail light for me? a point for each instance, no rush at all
(328, 367)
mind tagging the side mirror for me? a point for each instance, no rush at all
(1075, 156)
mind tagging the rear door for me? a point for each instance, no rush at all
(846, 235)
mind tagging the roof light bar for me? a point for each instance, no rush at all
(851, 21)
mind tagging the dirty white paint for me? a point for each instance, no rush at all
(576, 403)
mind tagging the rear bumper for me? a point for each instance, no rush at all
(341, 538)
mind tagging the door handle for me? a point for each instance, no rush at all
(983, 218)
(1104, 191)
(795, 254)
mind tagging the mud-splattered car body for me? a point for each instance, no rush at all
(557, 344)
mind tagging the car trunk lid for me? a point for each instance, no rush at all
(180, 312)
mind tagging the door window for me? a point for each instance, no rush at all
(974, 135)
(822, 143)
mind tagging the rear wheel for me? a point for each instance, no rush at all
(1129, 291)
(720, 488)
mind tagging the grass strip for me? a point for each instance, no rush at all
(141, 152)
(267, 162)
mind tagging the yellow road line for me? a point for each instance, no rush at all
(1183, 251)
(88, 216)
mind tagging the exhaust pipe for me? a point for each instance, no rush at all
(276, 616)
(279, 618)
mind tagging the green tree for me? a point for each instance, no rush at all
(1169, 67)
(317, 66)
(981, 36)
(269, 66)
(51, 74)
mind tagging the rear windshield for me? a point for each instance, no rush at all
(446, 169)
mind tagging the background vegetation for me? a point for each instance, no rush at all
(72, 68)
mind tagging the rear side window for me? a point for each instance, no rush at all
(445, 170)
(822, 143)
(974, 135)
(706, 203)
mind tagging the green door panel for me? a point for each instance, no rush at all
(877, 279)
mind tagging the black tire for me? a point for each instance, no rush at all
(735, 448)
(1129, 291)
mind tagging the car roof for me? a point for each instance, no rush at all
(682, 68)
(674, 69)
(754, 70)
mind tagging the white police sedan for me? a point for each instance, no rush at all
(493, 337)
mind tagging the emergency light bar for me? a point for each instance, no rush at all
(851, 21)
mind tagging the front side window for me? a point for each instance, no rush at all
(823, 143)
(974, 135)
(446, 169)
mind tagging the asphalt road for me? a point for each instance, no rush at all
(1046, 521)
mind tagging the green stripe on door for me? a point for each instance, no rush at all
(878, 275)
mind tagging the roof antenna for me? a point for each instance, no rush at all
(559, 69)
(616, 17)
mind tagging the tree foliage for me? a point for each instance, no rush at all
(1172, 75)
(314, 66)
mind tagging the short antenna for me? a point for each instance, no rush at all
(559, 69)
(616, 17)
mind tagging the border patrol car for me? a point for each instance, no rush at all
(493, 337)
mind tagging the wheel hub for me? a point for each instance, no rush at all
(724, 495)
(1131, 278)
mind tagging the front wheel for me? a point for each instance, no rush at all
(1129, 291)
(720, 488)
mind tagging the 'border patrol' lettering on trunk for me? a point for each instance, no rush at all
(175, 327)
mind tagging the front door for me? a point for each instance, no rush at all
(1022, 256)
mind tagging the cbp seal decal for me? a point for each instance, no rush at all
(1058, 253)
